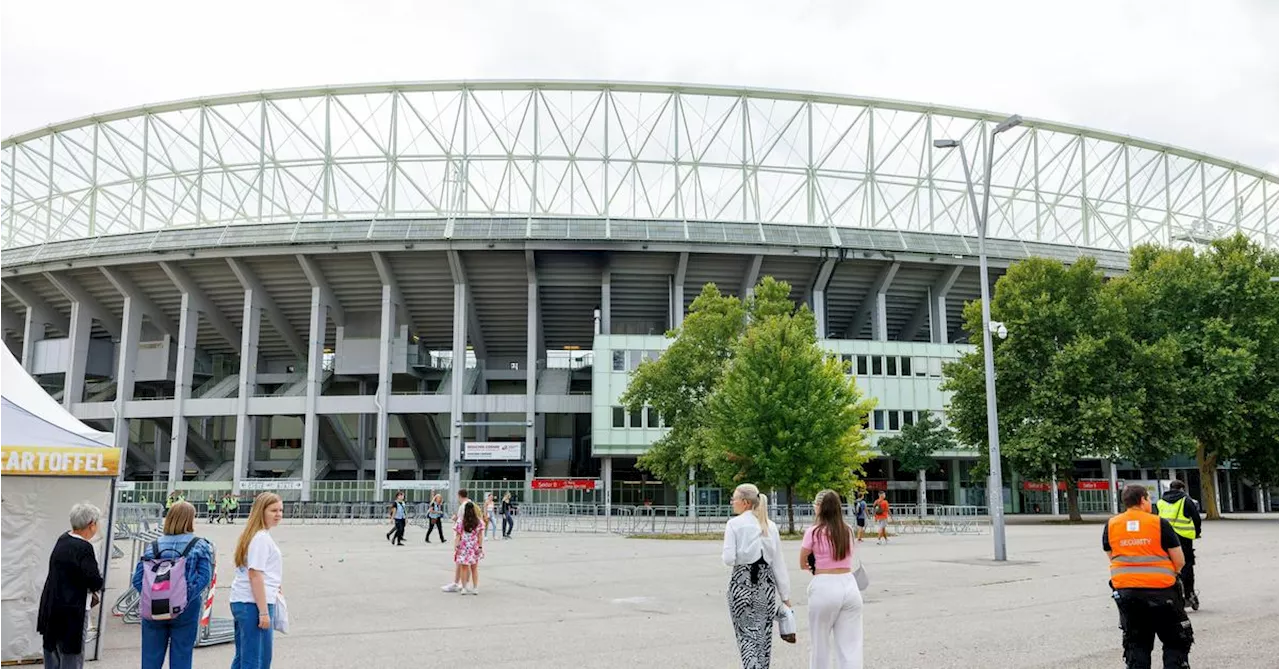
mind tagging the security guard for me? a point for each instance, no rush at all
(1145, 559)
(1183, 514)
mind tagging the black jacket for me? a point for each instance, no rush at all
(73, 574)
(1190, 509)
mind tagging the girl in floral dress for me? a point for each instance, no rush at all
(469, 547)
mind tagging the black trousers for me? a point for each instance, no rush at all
(1147, 614)
(1188, 569)
(508, 524)
(437, 525)
(400, 522)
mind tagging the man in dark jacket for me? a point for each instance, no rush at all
(73, 575)
(1183, 514)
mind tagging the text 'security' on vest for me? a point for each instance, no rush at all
(1137, 558)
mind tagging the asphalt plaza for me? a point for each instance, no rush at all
(608, 601)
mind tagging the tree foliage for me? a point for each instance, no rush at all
(1072, 382)
(915, 445)
(785, 414)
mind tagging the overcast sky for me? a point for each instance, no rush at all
(1200, 74)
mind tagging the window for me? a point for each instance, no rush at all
(635, 419)
(651, 415)
(891, 365)
(935, 366)
(846, 363)
(635, 359)
(908, 418)
(894, 422)
(877, 366)
(921, 365)
(619, 415)
(619, 361)
(862, 365)
(879, 419)
(906, 366)
(652, 355)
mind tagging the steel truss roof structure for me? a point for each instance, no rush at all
(596, 150)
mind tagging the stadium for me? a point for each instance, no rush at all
(337, 292)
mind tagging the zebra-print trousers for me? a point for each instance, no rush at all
(752, 608)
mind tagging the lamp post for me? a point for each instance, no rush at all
(995, 484)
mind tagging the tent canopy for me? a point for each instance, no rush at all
(32, 418)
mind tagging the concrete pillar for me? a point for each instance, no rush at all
(880, 317)
(188, 326)
(693, 493)
(78, 341)
(32, 332)
(1262, 507)
(315, 383)
(531, 381)
(383, 394)
(1115, 494)
(130, 331)
(606, 473)
(1226, 485)
(245, 433)
(456, 376)
(1054, 505)
(606, 294)
(922, 498)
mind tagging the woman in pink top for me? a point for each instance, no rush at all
(835, 604)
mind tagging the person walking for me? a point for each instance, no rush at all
(508, 519)
(835, 603)
(398, 518)
(882, 519)
(1146, 556)
(459, 571)
(211, 508)
(176, 635)
(490, 517)
(256, 588)
(1177, 507)
(860, 514)
(469, 549)
(753, 547)
(232, 506)
(435, 517)
(73, 577)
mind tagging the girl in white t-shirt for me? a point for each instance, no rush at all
(259, 570)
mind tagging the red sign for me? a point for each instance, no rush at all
(877, 485)
(1042, 486)
(565, 484)
(1093, 484)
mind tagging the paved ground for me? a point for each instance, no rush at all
(602, 601)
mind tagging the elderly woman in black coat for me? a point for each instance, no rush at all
(73, 576)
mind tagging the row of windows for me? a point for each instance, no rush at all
(647, 418)
(629, 361)
(892, 365)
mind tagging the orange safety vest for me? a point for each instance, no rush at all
(1137, 558)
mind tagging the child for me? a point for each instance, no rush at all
(469, 548)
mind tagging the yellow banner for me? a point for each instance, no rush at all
(55, 461)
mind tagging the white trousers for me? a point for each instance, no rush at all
(835, 621)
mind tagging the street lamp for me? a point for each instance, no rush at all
(995, 485)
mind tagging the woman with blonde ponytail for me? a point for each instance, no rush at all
(254, 592)
(753, 547)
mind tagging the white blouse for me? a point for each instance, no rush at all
(744, 544)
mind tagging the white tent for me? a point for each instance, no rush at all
(49, 461)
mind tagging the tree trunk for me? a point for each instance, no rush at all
(791, 512)
(921, 498)
(1207, 463)
(1073, 500)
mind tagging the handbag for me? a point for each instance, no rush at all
(280, 621)
(861, 577)
(786, 618)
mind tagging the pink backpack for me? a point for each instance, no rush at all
(164, 582)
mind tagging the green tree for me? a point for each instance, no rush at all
(786, 415)
(1218, 309)
(1072, 383)
(915, 446)
(679, 383)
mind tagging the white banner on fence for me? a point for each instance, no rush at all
(492, 450)
(415, 485)
(126, 486)
(270, 484)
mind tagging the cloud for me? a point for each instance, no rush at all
(1205, 76)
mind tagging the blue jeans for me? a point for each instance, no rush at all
(177, 636)
(253, 645)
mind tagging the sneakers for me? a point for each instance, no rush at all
(470, 591)
(452, 587)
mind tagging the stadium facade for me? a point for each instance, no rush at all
(346, 289)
